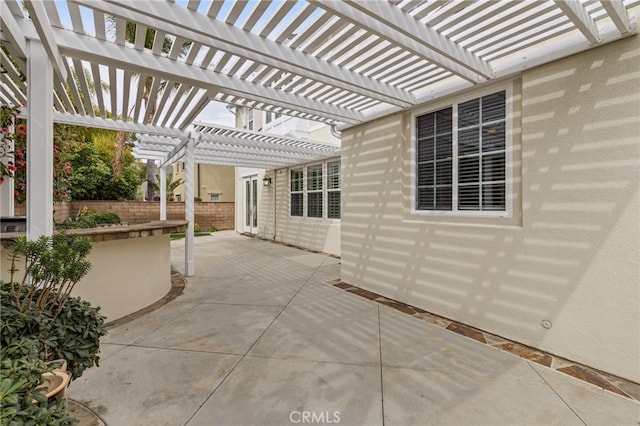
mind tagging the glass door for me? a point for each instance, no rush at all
(251, 205)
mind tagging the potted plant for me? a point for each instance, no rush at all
(41, 322)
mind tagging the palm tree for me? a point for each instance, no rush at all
(167, 44)
(171, 185)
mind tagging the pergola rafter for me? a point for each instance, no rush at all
(339, 62)
(223, 143)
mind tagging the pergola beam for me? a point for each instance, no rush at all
(77, 46)
(618, 14)
(121, 126)
(44, 30)
(180, 21)
(579, 16)
(11, 29)
(213, 160)
(208, 129)
(400, 28)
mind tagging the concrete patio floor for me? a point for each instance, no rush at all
(258, 338)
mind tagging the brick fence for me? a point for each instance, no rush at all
(221, 214)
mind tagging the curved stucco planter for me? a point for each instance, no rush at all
(131, 266)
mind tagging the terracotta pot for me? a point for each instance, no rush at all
(56, 381)
(56, 384)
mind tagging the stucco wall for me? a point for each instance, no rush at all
(208, 179)
(314, 234)
(570, 254)
(126, 274)
(311, 233)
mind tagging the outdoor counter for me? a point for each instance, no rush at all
(131, 265)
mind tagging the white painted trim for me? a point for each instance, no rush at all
(197, 27)
(41, 23)
(509, 184)
(189, 208)
(39, 142)
(390, 23)
(163, 193)
(576, 12)
(618, 14)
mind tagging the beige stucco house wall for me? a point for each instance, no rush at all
(274, 221)
(568, 257)
(318, 234)
(211, 182)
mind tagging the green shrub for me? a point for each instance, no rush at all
(63, 326)
(105, 217)
(87, 219)
(213, 229)
(20, 375)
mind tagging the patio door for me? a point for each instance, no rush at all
(251, 204)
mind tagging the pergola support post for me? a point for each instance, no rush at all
(39, 141)
(189, 208)
(163, 193)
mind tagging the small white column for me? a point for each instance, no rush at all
(6, 188)
(163, 193)
(39, 142)
(189, 214)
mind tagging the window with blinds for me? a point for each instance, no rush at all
(462, 168)
(481, 153)
(297, 192)
(333, 190)
(313, 187)
(314, 191)
(435, 142)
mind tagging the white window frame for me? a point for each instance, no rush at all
(327, 190)
(321, 191)
(303, 192)
(217, 194)
(454, 102)
(250, 118)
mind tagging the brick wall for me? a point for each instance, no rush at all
(221, 215)
(61, 210)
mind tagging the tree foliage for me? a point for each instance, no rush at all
(171, 184)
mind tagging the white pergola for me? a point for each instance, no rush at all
(94, 63)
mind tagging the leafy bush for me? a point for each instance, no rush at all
(41, 322)
(105, 217)
(63, 326)
(88, 219)
(213, 229)
(74, 335)
(20, 375)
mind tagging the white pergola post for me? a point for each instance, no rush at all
(6, 189)
(39, 141)
(189, 214)
(163, 193)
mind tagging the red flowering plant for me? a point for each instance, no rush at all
(63, 153)
(7, 137)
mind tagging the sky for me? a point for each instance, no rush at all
(217, 113)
